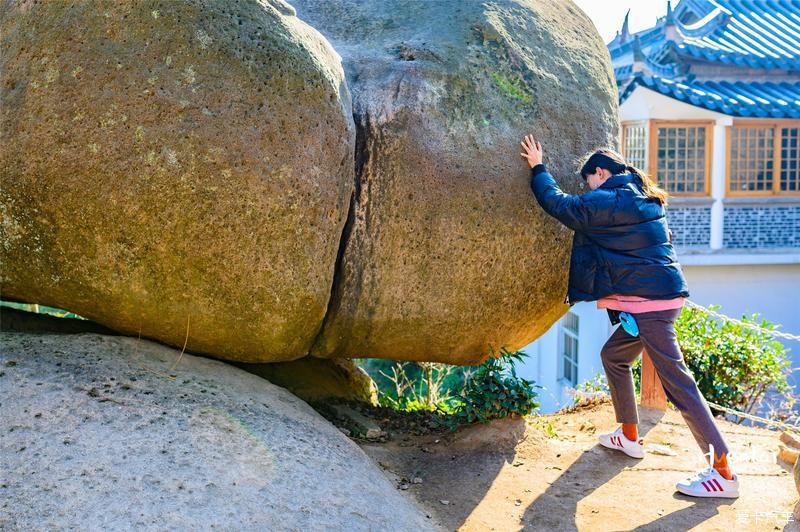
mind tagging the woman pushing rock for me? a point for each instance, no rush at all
(623, 258)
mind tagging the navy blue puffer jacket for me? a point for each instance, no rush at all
(621, 243)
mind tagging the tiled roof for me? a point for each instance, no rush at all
(754, 46)
(752, 33)
(665, 71)
(755, 33)
(739, 98)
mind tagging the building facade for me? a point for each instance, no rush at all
(709, 107)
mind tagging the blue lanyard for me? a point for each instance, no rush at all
(629, 324)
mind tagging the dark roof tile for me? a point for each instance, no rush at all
(736, 98)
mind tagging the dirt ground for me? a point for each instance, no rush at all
(549, 473)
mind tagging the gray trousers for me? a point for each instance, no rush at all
(657, 335)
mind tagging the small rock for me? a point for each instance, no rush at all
(344, 431)
(661, 449)
(361, 423)
(595, 511)
(416, 480)
(518, 502)
(444, 502)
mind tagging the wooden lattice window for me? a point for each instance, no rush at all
(681, 156)
(763, 158)
(752, 158)
(790, 160)
(634, 144)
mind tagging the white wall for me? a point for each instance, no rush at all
(772, 290)
(645, 103)
(543, 364)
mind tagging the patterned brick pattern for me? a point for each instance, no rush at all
(761, 227)
(691, 226)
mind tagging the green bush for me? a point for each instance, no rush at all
(733, 365)
(462, 395)
(493, 390)
(636, 370)
(414, 386)
(592, 390)
(41, 309)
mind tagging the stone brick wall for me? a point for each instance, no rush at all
(761, 227)
(691, 226)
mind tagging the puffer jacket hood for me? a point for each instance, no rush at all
(621, 243)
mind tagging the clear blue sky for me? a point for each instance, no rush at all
(607, 15)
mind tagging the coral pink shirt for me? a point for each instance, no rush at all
(635, 304)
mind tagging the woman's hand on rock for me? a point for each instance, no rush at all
(533, 150)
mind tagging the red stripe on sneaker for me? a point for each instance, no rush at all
(706, 487)
(717, 483)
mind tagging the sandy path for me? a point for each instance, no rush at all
(520, 475)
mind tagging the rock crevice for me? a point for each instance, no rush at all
(448, 257)
(360, 158)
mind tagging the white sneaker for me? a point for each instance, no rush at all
(617, 440)
(709, 483)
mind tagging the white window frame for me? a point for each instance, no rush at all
(563, 334)
(642, 163)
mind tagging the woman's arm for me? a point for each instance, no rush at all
(571, 210)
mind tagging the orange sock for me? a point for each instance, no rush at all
(721, 465)
(631, 431)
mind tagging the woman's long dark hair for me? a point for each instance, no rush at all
(613, 162)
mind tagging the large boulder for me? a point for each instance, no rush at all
(318, 380)
(115, 433)
(183, 172)
(447, 254)
(178, 170)
(312, 379)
